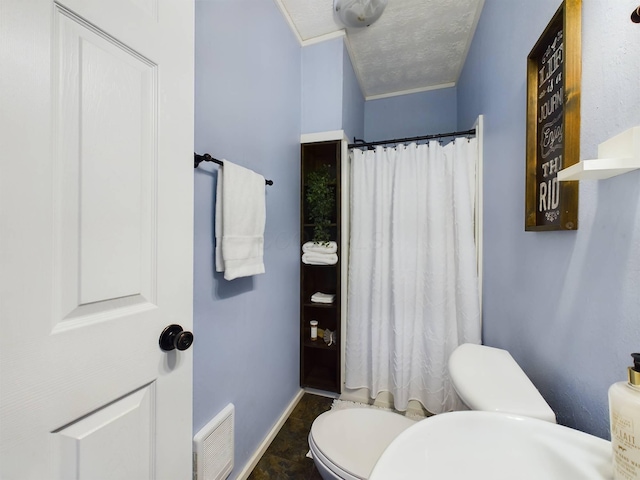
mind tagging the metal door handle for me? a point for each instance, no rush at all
(174, 337)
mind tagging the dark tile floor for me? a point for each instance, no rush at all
(286, 459)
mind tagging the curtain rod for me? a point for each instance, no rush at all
(197, 159)
(357, 143)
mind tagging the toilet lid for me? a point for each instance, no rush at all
(489, 379)
(353, 439)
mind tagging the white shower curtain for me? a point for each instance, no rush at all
(413, 285)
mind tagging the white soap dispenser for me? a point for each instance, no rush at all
(624, 415)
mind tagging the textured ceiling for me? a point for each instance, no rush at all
(416, 45)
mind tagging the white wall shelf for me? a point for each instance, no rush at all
(618, 155)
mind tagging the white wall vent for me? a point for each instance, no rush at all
(213, 447)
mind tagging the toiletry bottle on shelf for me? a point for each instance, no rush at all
(314, 330)
(624, 414)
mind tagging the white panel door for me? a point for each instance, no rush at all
(96, 219)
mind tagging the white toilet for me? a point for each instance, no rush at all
(346, 444)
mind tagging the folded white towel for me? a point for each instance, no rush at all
(240, 221)
(327, 302)
(313, 247)
(320, 297)
(319, 258)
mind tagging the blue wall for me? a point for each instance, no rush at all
(248, 94)
(352, 100)
(331, 95)
(412, 115)
(322, 86)
(565, 304)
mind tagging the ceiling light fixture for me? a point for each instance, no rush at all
(635, 15)
(358, 13)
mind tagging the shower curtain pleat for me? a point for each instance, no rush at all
(413, 286)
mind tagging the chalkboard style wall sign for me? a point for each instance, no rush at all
(553, 121)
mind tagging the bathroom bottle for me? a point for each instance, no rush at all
(314, 330)
(624, 415)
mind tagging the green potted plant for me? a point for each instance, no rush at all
(320, 202)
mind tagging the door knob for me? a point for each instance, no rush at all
(174, 337)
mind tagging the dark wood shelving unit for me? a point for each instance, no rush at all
(319, 305)
(320, 364)
(319, 344)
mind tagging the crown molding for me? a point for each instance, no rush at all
(409, 92)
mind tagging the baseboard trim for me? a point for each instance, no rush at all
(255, 458)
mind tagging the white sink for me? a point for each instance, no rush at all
(493, 446)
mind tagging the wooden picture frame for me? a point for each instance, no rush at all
(554, 68)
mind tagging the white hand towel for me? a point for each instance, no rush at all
(319, 258)
(240, 221)
(313, 247)
(320, 297)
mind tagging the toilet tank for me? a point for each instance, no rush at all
(489, 379)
